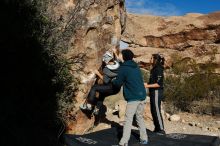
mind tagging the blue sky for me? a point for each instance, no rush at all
(172, 7)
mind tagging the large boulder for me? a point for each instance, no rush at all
(120, 106)
(99, 25)
(85, 29)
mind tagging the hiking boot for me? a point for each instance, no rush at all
(143, 142)
(86, 106)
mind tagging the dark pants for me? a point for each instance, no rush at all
(104, 90)
(155, 104)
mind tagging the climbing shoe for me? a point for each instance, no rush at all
(86, 106)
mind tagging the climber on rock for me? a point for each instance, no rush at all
(110, 67)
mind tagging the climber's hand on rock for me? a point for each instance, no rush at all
(114, 50)
(96, 72)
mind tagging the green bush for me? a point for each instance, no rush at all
(54, 45)
(188, 85)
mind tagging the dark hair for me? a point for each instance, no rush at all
(159, 59)
(127, 55)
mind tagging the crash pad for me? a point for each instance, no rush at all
(111, 137)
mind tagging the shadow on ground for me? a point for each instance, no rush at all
(111, 137)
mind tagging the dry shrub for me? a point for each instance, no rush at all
(188, 87)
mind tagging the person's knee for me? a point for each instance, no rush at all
(94, 87)
(139, 116)
(91, 99)
(129, 115)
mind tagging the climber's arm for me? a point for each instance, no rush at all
(98, 74)
(117, 54)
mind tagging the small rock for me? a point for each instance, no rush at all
(183, 121)
(184, 128)
(174, 118)
(198, 125)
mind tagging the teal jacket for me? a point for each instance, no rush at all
(129, 75)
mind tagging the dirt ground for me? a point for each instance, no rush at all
(188, 124)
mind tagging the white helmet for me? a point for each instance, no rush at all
(113, 66)
(107, 57)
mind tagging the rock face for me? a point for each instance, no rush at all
(192, 35)
(93, 27)
(177, 32)
(52, 46)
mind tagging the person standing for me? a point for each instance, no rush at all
(155, 86)
(130, 77)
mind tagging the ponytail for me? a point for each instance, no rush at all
(160, 60)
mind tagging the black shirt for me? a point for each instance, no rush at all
(156, 76)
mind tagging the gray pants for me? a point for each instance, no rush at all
(137, 108)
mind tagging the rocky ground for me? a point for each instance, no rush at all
(186, 123)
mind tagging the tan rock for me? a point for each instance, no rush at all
(121, 106)
(195, 36)
(212, 129)
(174, 118)
(158, 31)
(183, 121)
(147, 112)
(79, 126)
(199, 125)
